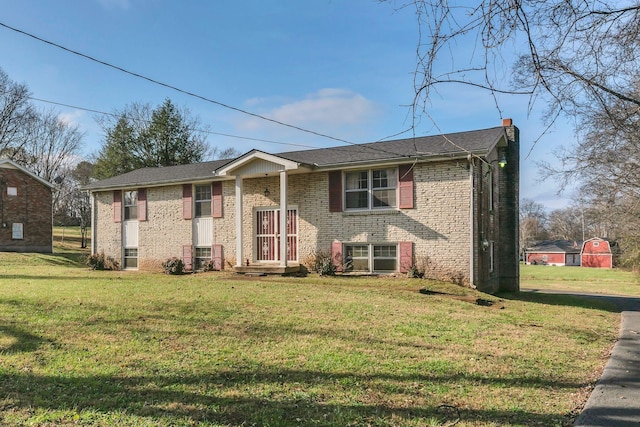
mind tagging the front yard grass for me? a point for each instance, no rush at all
(81, 347)
(577, 279)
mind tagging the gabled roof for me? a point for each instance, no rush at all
(6, 163)
(477, 142)
(160, 175)
(557, 246)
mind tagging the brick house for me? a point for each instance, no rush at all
(554, 252)
(26, 215)
(447, 204)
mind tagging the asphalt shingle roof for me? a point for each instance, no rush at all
(478, 142)
(567, 246)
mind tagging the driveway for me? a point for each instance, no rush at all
(615, 400)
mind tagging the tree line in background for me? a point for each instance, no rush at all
(578, 57)
(135, 137)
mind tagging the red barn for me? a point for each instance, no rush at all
(596, 252)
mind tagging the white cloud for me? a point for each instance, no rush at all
(73, 118)
(326, 108)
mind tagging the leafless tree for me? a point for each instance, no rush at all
(573, 53)
(16, 116)
(533, 219)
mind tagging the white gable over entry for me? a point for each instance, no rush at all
(258, 164)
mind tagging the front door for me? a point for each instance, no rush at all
(267, 247)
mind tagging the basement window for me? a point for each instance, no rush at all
(131, 258)
(203, 256)
(17, 231)
(371, 258)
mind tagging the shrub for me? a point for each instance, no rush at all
(173, 266)
(208, 266)
(322, 263)
(102, 262)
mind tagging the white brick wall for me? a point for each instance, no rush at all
(438, 225)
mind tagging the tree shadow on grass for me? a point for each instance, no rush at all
(610, 303)
(223, 398)
(18, 340)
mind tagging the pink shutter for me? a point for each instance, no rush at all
(405, 186)
(216, 256)
(216, 199)
(336, 255)
(187, 257)
(117, 206)
(142, 204)
(335, 191)
(187, 204)
(406, 256)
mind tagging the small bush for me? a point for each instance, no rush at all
(173, 266)
(102, 262)
(415, 272)
(322, 263)
(208, 266)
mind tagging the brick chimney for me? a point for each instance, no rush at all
(507, 122)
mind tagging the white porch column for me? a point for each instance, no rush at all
(239, 251)
(284, 211)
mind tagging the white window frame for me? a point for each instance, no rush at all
(17, 231)
(392, 185)
(130, 205)
(12, 191)
(130, 257)
(200, 260)
(371, 256)
(200, 203)
(491, 257)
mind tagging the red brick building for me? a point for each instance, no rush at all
(26, 223)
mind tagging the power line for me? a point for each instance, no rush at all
(201, 97)
(198, 130)
(175, 88)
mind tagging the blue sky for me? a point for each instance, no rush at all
(338, 67)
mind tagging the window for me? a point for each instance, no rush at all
(203, 200)
(371, 189)
(596, 244)
(203, 256)
(371, 258)
(384, 258)
(131, 258)
(17, 231)
(130, 205)
(12, 191)
(491, 257)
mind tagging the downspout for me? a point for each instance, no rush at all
(471, 224)
(93, 224)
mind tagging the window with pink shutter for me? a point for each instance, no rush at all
(187, 202)
(335, 191)
(216, 200)
(142, 204)
(117, 206)
(405, 186)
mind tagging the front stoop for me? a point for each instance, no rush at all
(267, 269)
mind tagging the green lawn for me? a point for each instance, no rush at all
(81, 347)
(597, 280)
